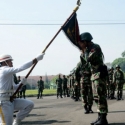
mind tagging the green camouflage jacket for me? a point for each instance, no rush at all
(83, 71)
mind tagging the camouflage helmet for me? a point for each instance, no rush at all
(86, 36)
(117, 66)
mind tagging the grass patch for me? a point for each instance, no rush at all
(45, 91)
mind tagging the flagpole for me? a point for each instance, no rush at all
(74, 11)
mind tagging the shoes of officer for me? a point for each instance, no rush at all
(122, 99)
(112, 98)
(40, 97)
(76, 100)
(119, 99)
(60, 97)
(108, 97)
(72, 97)
(101, 120)
(16, 122)
(88, 109)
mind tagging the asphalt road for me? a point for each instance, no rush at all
(53, 111)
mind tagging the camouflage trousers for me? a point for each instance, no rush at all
(108, 90)
(77, 91)
(72, 92)
(112, 89)
(119, 88)
(86, 94)
(99, 94)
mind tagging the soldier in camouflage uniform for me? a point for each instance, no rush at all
(59, 86)
(77, 90)
(118, 78)
(68, 85)
(108, 86)
(95, 57)
(65, 89)
(22, 91)
(112, 85)
(83, 73)
(40, 88)
(72, 82)
(75, 87)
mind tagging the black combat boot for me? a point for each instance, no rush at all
(121, 97)
(118, 97)
(38, 96)
(86, 109)
(99, 116)
(90, 108)
(102, 120)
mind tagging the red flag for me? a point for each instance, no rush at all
(71, 30)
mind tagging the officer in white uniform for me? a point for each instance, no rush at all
(7, 88)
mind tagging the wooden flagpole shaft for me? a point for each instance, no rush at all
(77, 7)
(52, 40)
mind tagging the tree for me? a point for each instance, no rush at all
(54, 79)
(28, 86)
(123, 54)
(46, 85)
(46, 78)
(46, 82)
(120, 62)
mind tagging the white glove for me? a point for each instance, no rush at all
(24, 81)
(40, 57)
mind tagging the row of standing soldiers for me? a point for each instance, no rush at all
(91, 78)
(115, 81)
(62, 86)
(22, 91)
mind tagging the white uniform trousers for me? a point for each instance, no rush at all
(7, 108)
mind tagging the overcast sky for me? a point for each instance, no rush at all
(24, 42)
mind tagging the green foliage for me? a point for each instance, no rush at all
(123, 54)
(46, 85)
(28, 86)
(45, 91)
(46, 79)
(54, 79)
(120, 62)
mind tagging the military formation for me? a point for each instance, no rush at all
(92, 81)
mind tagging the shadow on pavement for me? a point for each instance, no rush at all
(35, 115)
(43, 122)
(117, 124)
(115, 111)
(41, 107)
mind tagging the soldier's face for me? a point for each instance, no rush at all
(10, 63)
(82, 45)
(117, 68)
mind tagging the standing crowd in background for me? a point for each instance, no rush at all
(40, 83)
(22, 92)
(91, 80)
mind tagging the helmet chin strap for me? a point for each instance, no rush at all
(6, 63)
